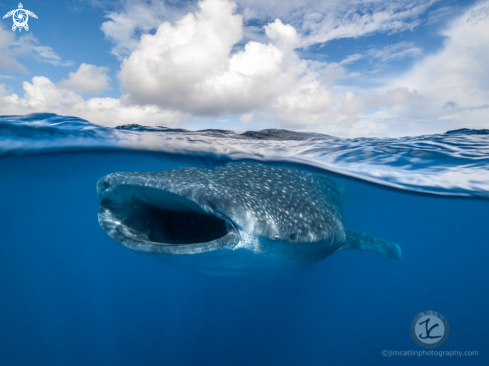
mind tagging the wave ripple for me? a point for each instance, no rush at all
(453, 163)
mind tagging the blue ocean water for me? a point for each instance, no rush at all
(70, 295)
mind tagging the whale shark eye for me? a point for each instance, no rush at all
(276, 237)
(293, 236)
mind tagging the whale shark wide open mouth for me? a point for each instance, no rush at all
(154, 220)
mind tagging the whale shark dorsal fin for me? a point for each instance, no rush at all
(358, 240)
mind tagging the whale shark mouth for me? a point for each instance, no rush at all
(152, 220)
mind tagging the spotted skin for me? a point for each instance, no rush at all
(274, 210)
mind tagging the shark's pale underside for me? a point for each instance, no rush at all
(241, 218)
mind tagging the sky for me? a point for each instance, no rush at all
(347, 68)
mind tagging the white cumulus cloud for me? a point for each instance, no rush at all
(87, 79)
(42, 95)
(191, 67)
(135, 17)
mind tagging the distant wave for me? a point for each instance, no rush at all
(453, 163)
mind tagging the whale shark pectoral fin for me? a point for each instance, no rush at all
(357, 240)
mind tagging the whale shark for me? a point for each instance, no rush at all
(242, 218)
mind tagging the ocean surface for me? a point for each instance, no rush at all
(70, 295)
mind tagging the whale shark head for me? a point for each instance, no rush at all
(240, 218)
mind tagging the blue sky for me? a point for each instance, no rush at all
(347, 68)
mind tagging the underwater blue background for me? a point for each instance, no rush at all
(72, 296)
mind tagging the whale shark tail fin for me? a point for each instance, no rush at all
(357, 240)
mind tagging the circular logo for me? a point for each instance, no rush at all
(20, 18)
(429, 329)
